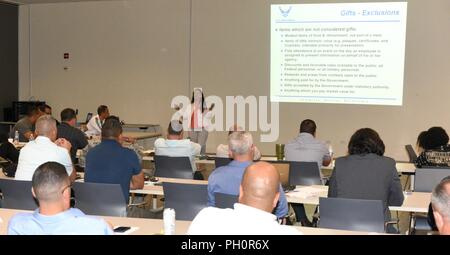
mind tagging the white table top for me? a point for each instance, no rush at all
(156, 226)
(402, 167)
(414, 202)
(141, 135)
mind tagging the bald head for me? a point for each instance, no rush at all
(260, 186)
(46, 126)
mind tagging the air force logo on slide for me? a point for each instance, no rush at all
(285, 13)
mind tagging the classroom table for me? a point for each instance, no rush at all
(141, 135)
(402, 167)
(142, 226)
(415, 202)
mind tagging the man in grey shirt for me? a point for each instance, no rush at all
(25, 126)
(306, 148)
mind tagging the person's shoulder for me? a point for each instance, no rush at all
(192, 143)
(213, 213)
(21, 217)
(160, 141)
(19, 223)
(217, 172)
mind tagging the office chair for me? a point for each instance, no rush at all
(186, 199)
(411, 153)
(352, 214)
(100, 199)
(224, 201)
(222, 161)
(426, 179)
(173, 167)
(304, 174)
(17, 195)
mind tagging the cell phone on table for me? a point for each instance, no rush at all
(121, 229)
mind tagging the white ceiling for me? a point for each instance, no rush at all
(47, 1)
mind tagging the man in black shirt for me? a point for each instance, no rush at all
(68, 131)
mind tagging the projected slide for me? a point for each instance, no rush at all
(338, 53)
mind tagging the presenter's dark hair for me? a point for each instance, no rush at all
(203, 99)
(68, 114)
(112, 128)
(435, 138)
(101, 109)
(421, 139)
(308, 126)
(175, 127)
(366, 141)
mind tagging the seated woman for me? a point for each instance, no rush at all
(434, 140)
(366, 174)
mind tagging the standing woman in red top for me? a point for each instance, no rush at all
(199, 112)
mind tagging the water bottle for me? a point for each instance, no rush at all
(169, 221)
(16, 137)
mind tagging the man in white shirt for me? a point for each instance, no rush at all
(94, 126)
(43, 149)
(306, 148)
(176, 146)
(258, 196)
(223, 150)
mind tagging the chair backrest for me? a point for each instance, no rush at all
(411, 153)
(89, 116)
(352, 214)
(224, 201)
(186, 199)
(100, 199)
(17, 195)
(173, 167)
(428, 178)
(304, 173)
(221, 161)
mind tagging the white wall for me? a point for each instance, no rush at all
(131, 55)
(117, 59)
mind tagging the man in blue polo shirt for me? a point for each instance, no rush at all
(227, 179)
(109, 162)
(51, 187)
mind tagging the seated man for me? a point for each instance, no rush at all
(67, 130)
(51, 187)
(306, 148)
(94, 126)
(25, 126)
(110, 162)
(258, 196)
(46, 109)
(226, 179)
(440, 201)
(176, 146)
(43, 149)
(222, 150)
